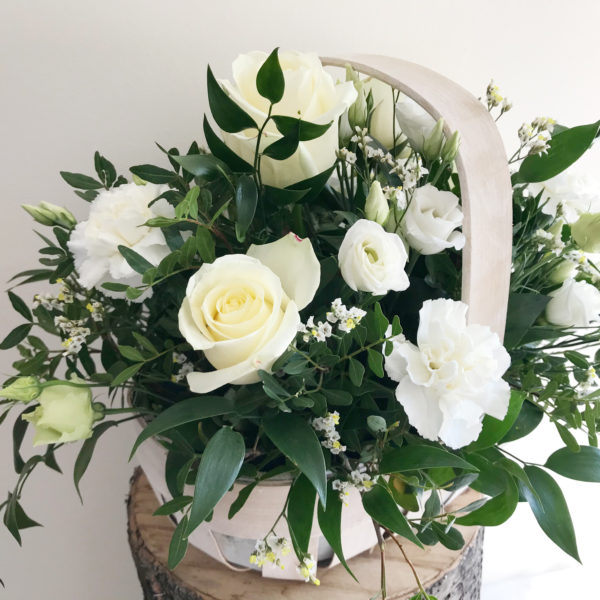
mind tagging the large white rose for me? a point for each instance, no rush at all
(372, 260)
(431, 219)
(452, 377)
(574, 304)
(115, 220)
(242, 310)
(415, 122)
(310, 93)
(575, 191)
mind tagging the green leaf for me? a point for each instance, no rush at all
(567, 437)
(577, 358)
(153, 174)
(81, 182)
(298, 441)
(206, 166)
(283, 148)
(380, 506)
(220, 150)
(179, 543)
(565, 148)
(523, 311)
(452, 539)
(205, 244)
(16, 336)
(283, 197)
(270, 82)
(582, 466)
(131, 353)
(186, 411)
(113, 286)
(293, 127)
(20, 306)
(246, 199)
(18, 433)
(136, 261)
(412, 458)
(330, 523)
(126, 374)
(229, 116)
(314, 185)
(550, 510)
(173, 506)
(356, 371)
(338, 397)
(219, 467)
(375, 362)
(144, 342)
(498, 509)
(529, 418)
(87, 450)
(493, 429)
(300, 513)
(105, 169)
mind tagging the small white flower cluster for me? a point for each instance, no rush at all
(410, 170)
(74, 332)
(320, 332)
(271, 549)
(52, 302)
(549, 241)
(308, 569)
(535, 136)
(346, 155)
(588, 386)
(96, 311)
(346, 319)
(361, 138)
(381, 156)
(494, 98)
(359, 479)
(396, 195)
(185, 367)
(327, 426)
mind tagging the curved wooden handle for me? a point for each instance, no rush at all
(484, 179)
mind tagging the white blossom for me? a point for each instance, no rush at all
(308, 569)
(327, 426)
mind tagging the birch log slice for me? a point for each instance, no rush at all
(449, 575)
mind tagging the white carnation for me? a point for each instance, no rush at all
(452, 377)
(115, 220)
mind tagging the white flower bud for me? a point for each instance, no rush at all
(376, 205)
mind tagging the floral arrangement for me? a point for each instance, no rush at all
(288, 302)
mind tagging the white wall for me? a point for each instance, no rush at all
(117, 75)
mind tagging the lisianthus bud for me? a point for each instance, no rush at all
(450, 148)
(51, 214)
(64, 414)
(358, 112)
(39, 215)
(565, 270)
(23, 389)
(586, 232)
(433, 143)
(376, 205)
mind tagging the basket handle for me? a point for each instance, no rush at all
(483, 173)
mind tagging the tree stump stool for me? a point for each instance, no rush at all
(447, 574)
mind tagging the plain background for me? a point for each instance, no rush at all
(118, 75)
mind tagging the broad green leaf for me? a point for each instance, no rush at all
(523, 311)
(529, 418)
(206, 166)
(282, 148)
(565, 148)
(582, 466)
(205, 244)
(330, 523)
(173, 506)
(305, 131)
(380, 506)
(131, 353)
(220, 150)
(16, 336)
(186, 411)
(300, 512)
(493, 429)
(179, 543)
(550, 510)
(270, 82)
(246, 199)
(338, 397)
(153, 174)
(412, 458)
(452, 539)
(314, 185)
(136, 261)
(105, 169)
(228, 115)
(577, 358)
(113, 286)
(81, 182)
(219, 467)
(283, 197)
(498, 509)
(144, 342)
(87, 450)
(298, 441)
(567, 437)
(356, 371)
(18, 433)
(126, 374)
(20, 306)
(375, 362)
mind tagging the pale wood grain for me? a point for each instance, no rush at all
(484, 179)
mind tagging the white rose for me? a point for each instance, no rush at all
(415, 122)
(372, 260)
(310, 93)
(242, 310)
(431, 219)
(452, 377)
(114, 220)
(574, 304)
(574, 191)
(381, 126)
